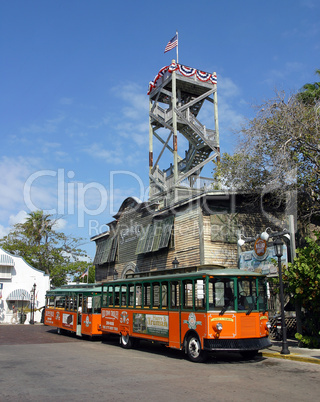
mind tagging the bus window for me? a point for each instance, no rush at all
(96, 305)
(68, 302)
(164, 295)
(156, 295)
(60, 301)
(74, 303)
(131, 295)
(85, 305)
(110, 296)
(187, 294)
(262, 295)
(124, 296)
(221, 294)
(247, 294)
(104, 300)
(50, 301)
(146, 295)
(139, 295)
(210, 294)
(199, 294)
(117, 296)
(89, 305)
(175, 295)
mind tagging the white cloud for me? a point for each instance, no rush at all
(4, 231)
(13, 174)
(20, 217)
(228, 88)
(137, 103)
(112, 156)
(24, 186)
(60, 224)
(66, 101)
(228, 107)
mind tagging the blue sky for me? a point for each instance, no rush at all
(74, 82)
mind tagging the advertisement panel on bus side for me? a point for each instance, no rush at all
(151, 324)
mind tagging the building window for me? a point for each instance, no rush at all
(224, 227)
(5, 272)
(156, 236)
(106, 250)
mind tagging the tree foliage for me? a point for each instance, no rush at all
(310, 93)
(45, 248)
(278, 151)
(303, 279)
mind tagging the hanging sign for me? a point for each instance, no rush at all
(260, 249)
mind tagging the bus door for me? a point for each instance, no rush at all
(175, 316)
(79, 312)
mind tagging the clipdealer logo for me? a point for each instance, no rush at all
(77, 198)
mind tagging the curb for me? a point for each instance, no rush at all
(292, 356)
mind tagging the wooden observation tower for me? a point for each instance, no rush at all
(176, 97)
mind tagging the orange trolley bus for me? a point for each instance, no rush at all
(205, 309)
(199, 311)
(75, 308)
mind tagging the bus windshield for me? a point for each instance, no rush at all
(247, 294)
(221, 294)
(262, 295)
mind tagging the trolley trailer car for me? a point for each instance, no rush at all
(198, 312)
(74, 308)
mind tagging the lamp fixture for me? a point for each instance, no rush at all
(265, 235)
(278, 247)
(241, 242)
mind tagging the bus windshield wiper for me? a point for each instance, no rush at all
(224, 309)
(250, 309)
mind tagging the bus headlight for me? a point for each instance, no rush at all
(219, 327)
(268, 325)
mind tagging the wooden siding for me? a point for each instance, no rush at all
(199, 238)
(131, 225)
(187, 236)
(217, 252)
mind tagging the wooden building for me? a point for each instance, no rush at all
(200, 231)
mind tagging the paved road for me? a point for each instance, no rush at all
(39, 365)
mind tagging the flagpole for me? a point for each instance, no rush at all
(177, 47)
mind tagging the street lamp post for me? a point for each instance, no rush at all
(33, 299)
(21, 316)
(278, 248)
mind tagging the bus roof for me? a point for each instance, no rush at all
(200, 273)
(71, 289)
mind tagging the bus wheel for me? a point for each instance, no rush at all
(126, 341)
(194, 351)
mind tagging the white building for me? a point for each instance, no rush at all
(22, 290)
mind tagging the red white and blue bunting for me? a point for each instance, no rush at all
(184, 70)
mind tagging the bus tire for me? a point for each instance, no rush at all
(194, 351)
(126, 341)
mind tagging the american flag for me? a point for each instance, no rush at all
(172, 43)
(85, 273)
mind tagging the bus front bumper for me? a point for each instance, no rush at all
(237, 344)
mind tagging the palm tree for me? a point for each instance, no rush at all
(311, 92)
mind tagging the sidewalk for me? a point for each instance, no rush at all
(298, 354)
